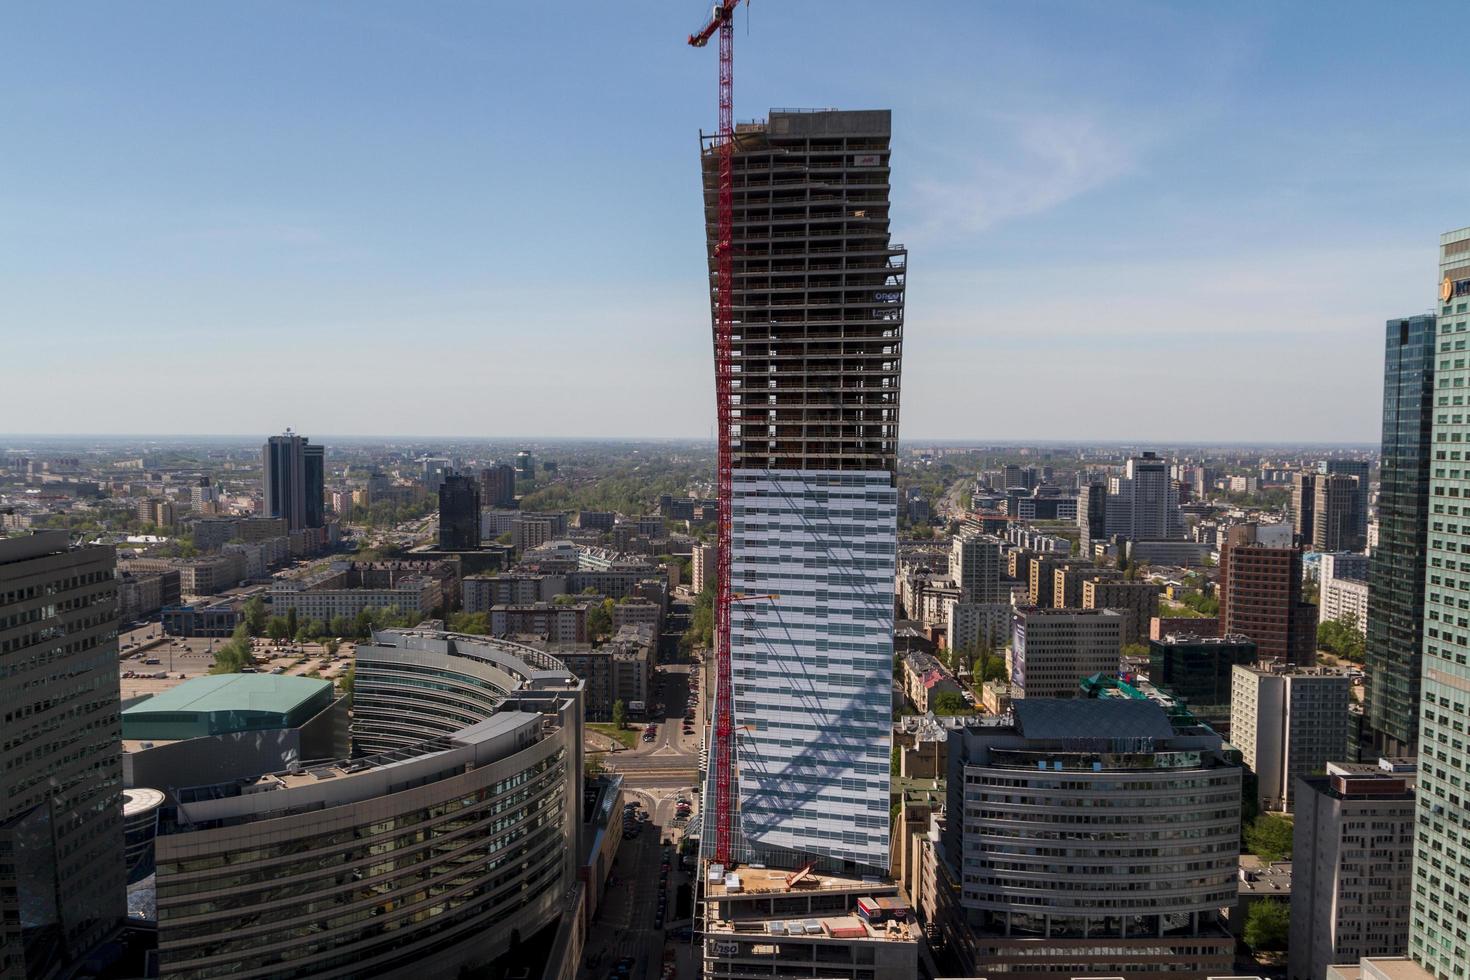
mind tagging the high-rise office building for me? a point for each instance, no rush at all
(817, 302)
(1359, 469)
(1303, 507)
(459, 513)
(1396, 573)
(1198, 670)
(62, 872)
(294, 478)
(1336, 519)
(498, 485)
(1092, 515)
(526, 465)
(1054, 650)
(1087, 838)
(1441, 918)
(1143, 503)
(1261, 596)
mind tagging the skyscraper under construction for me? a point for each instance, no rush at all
(817, 298)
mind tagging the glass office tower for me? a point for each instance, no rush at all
(1396, 589)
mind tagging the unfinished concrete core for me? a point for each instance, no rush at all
(817, 294)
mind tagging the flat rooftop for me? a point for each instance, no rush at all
(772, 881)
(216, 704)
(232, 692)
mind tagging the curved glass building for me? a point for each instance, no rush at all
(447, 839)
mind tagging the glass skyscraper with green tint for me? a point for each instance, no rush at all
(1439, 937)
(1396, 592)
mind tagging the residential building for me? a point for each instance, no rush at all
(498, 485)
(924, 677)
(702, 567)
(1067, 579)
(975, 565)
(1199, 671)
(459, 513)
(531, 531)
(347, 588)
(1054, 650)
(1340, 598)
(513, 588)
(557, 622)
(1260, 592)
(62, 871)
(1395, 643)
(973, 625)
(1042, 891)
(1441, 916)
(1337, 524)
(466, 745)
(294, 480)
(596, 520)
(1041, 578)
(1138, 601)
(619, 669)
(1352, 858)
(631, 611)
(157, 512)
(814, 505)
(1288, 723)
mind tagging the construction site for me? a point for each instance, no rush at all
(806, 299)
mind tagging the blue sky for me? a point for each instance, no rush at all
(1127, 220)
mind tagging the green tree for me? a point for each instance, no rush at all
(1267, 925)
(278, 628)
(1269, 836)
(341, 626)
(619, 715)
(291, 622)
(234, 654)
(464, 622)
(348, 679)
(599, 619)
(255, 616)
(950, 703)
(1135, 649)
(330, 645)
(1341, 636)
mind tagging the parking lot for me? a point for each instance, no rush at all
(150, 663)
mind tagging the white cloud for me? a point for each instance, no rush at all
(1023, 165)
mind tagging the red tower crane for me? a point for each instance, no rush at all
(722, 756)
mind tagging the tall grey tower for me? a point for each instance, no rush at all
(293, 473)
(818, 297)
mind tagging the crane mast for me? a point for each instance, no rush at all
(722, 755)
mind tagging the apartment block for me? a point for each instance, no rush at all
(1352, 859)
(1138, 601)
(1288, 723)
